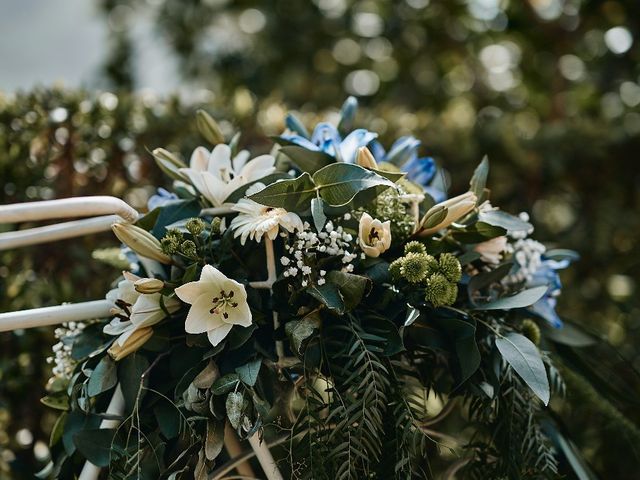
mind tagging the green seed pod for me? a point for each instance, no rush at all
(195, 226)
(531, 330)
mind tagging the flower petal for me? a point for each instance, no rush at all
(189, 292)
(241, 315)
(199, 159)
(200, 319)
(218, 334)
(220, 160)
(211, 275)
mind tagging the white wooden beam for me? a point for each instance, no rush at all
(40, 317)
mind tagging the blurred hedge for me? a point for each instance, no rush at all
(541, 91)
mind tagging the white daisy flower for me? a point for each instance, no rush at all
(217, 304)
(255, 220)
(216, 175)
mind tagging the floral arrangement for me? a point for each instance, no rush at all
(329, 299)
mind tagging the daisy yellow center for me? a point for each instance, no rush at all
(222, 303)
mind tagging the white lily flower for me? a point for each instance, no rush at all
(134, 310)
(216, 175)
(217, 304)
(256, 220)
(491, 250)
(374, 236)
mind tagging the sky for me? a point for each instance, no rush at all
(43, 42)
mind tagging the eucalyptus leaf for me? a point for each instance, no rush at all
(317, 212)
(309, 161)
(300, 331)
(214, 441)
(293, 195)
(172, 212)
(234, 405)
(225, 384)
(103, 378)
(248, 373)
(329, 295)
(240, 192)
(505, 220)
(519, 352)
(352, 287)
(130, 372)
(462, 335)
(521, 299)
(479, 179)
(339, 183)
(95, 445)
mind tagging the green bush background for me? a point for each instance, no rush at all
(560, 122)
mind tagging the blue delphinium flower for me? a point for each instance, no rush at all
(547, 274)
(404, 154)
(327, 139)
(161, 198)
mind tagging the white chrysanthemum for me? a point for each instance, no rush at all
(256, 220)
(216, 175)
(217, 304)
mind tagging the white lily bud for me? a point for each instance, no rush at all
(148, 285)
(140, 241)
(374, 236)
(455, 208)
(365, 159)
(209, 128)
(136, 340)
(491, 250)
(169, 164)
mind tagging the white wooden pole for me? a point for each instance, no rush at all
(263, 454)
(59, 231)
(40, 317)
(116, 408)
(67, 207)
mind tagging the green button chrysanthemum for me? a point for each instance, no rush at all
(414, 247)
(416, 267)
(450, 267)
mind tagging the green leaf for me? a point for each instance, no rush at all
(521, 299)
(239, 192)
(215, 439)
(168, 418)
(173, 212)
(519, 352)
(569, 334)
(130, 371)
(352, 287)
(505, 220)
(317, 212)
(300, 331)
(234, 405)
(309, 161)
(485, 279)
(293, 195)
(329, 295)
(339, 183)
(58, 401)
(91, 340)
(58, 429)
(225, 384)
(103, 378)
(95, 445)
(462, 335)
(479, 180)
(248, 373)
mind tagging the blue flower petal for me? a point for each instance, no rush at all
(546, 309)
(378, 151)
(352, 142)
(403, 150)
(420, 170)
(300, 141)
(161, 198)
(326, 136)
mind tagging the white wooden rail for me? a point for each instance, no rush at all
(106, 211)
